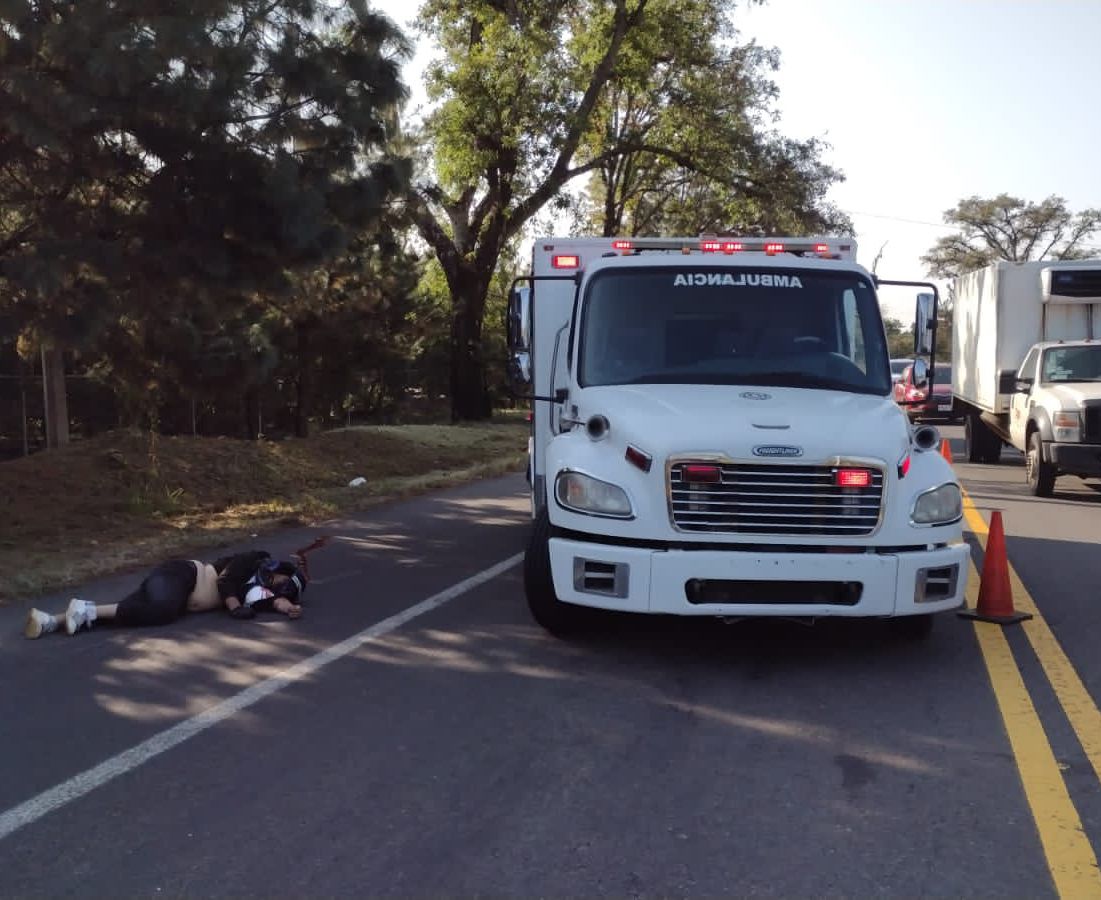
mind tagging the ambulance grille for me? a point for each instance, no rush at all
(775, 499)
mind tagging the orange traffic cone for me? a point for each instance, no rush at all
(995, 594)
(946, 450)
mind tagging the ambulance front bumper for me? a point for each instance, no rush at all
(738, 583)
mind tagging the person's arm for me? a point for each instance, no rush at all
(290, 610)
(237, 609)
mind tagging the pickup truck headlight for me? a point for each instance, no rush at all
(1067, 427)
(585, 494)
(940, 506)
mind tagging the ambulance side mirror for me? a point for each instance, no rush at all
(519, 337)
(925, 318)
(919, 375)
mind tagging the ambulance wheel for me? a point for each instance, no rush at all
(560, 619)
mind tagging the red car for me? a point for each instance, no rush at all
(919, 403)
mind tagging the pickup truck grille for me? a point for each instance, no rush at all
(1091, 422)
(774, 499)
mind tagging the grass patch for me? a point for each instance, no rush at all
(129, 498)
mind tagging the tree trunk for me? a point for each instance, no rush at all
(251, 412)
(304, 381)
(470, 400)
(23, 411)
(55, 400)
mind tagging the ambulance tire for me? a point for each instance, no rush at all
(558, 618)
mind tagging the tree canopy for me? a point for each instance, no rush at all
(1013, 229)
(168, 168)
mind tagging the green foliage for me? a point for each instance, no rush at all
(210, 143)
(682, 138)
(900, 338)
(1009, 228)
(178, 179)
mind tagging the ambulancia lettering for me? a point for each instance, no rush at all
(742, 279)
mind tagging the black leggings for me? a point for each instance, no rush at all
(161, 597)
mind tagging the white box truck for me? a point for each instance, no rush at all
(1026, 366)
(714, 435)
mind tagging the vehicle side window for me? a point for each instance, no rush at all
(906, 375)
(853, 344)
(1028, 367)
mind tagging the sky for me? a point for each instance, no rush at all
(925, 103)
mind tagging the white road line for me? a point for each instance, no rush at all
(25, 813)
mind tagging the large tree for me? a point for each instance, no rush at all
(694, 120)
(521, 94)
(182, 153)
(1009, 228)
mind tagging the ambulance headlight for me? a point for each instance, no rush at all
(940, 506)
(585, 494)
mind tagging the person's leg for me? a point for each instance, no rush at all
(82, 613)
(162, 597)
(159, 599)
(78, 614)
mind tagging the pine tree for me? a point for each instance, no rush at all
(171, 154)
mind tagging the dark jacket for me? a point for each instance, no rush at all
(234, 572)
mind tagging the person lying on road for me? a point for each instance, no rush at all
(243, 583)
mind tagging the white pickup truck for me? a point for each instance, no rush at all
(714, 435)
(1026, 366)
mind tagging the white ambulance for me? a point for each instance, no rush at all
(714, 435)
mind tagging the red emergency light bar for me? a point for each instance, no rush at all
(717, 245)
(857, 478)
(842, 248)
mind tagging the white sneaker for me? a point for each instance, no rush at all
(38, 624)
(77, 616)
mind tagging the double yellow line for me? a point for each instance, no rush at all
(1070, 857)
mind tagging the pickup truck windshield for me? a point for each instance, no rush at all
(1064, 364)
(723, 325)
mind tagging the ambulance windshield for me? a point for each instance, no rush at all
(743, 326)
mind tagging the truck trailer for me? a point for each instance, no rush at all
(1026, 366)
(714, 434)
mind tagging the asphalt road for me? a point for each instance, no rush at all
(415, 734)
